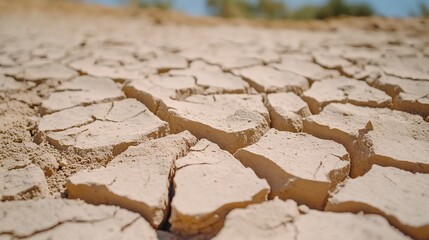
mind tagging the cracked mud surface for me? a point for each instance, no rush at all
(136, 126)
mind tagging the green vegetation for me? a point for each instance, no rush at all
(274, 9)
(336, 8)
(424, 11)
(230, 8)
(267, 9)
(162, 4)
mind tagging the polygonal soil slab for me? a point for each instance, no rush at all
(166, 62)
(8, 84)
(266, 220)
(344, 90)
(309, 70)
(331, 61)
(297, 166)
(345, 225)
(172, 146)
(267, 79)
(137, 179)
(231, 54)
(286, 111)
(229, 60)
(209, 183)
(154, 89)
(232, 121)
(80, 91)
(362, 55)
(374, 136)
(73, 117)
(117, 111)
(50, 71)
(182, 83)
(110, 68)
(368, 73)
(125, 123)
(70, 219)
(212, 79)
(408, 95)
(410, 68)
(26, 181)
(399, 196)
(277, 219)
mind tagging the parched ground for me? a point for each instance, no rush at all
(120, 124)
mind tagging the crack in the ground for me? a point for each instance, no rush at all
(198, 164)
(77, 135)
(124, 228)
(200, 149)
(317, 170)
(165, 225)
(74, 126)
(112, 105)
(47, 229)
(112, 182)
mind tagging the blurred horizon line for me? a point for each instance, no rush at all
(384, 8)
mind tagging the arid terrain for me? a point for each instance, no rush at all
(125, 124)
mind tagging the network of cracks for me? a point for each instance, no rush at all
(196, 132)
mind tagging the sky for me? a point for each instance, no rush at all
(388, 8)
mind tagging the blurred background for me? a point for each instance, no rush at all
(282, 9)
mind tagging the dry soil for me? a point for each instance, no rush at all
(125, 124)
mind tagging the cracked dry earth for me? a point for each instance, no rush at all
(115, 127)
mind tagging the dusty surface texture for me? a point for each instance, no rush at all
(394, 193)
(171, 127)
(287, 111)
(70, 219)
(137, 179)
(374, 136)
(344, 90)
(297, 166)
(23, 182)
(277, 219)
(102, 130)
(232, 121)
(210, 182)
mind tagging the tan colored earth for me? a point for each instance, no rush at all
(126, 124)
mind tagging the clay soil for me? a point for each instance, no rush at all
(147, 124)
